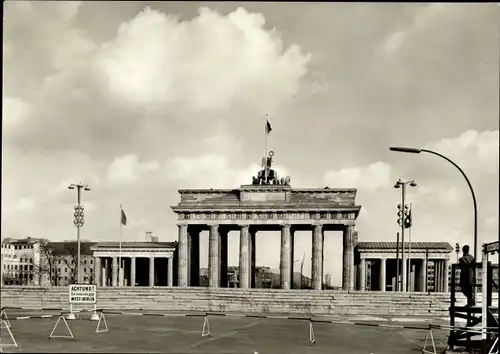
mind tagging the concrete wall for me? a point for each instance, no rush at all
(240, 300)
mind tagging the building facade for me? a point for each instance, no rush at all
(143, 263)
(430, 264)
(20, 261)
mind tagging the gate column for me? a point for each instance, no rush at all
(348, 258)
(244, 257)
(285, 257)
(213, 256)
(183, 257)
(317, 256)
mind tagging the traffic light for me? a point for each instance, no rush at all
(407, 217)
(400, 215)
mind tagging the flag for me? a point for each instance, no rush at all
(268, 127)
(124, 218)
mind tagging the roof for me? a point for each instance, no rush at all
(441, 246)
(67, 248)
(135, 244)
(28, 240)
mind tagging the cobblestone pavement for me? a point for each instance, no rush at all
(152, 334)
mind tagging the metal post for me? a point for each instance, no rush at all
(484, 291)
(79, 281)
(397, 262)
(427, 267)
(403, 264)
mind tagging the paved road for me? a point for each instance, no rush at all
(136, 334)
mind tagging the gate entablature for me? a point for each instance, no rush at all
(267, 205)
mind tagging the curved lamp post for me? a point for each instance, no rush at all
(418, 151)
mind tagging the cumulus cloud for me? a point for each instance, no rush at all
(371, 177)
(155, 63)
(442, 200)
(127, 169)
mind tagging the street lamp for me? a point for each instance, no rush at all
(78, 221)
(457, 249)
(403, 221)
(418, 151)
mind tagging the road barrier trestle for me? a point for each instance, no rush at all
(493, 348)
(430, 337)
(312, 338)
(103, 320)
(67, 326)
(205, 332)
(3, 316)
(3, 324)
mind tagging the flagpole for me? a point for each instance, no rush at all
(265, 145)
(409, 248)
(120, 250)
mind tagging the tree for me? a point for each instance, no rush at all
(47, 263)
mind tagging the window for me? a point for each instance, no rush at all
(85, 270)
(25, 267)
(31, 260)
(15, 267)
(59, 270)
(65, 278)
(59, 261)
(84, 261)
(91, 261)
(31, 267)
(65, 270)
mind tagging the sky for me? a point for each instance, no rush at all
(139, 99)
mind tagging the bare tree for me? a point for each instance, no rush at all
(47, 262)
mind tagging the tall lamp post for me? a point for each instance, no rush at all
(78, 221)
(418, 151)
(403, 222)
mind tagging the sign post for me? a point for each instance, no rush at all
(84, 294)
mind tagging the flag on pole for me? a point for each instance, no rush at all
(268, 127)
(124, 218)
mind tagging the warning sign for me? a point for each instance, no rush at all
(82, 294)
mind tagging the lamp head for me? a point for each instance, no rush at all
(71, 186)
(87, 188)
(413, 184)
(397, 185)
(405, 149)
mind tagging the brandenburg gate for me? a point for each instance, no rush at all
(268, 204)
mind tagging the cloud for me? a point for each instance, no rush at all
(25, 204)
(158, 73)
(128, 169)
(211, 171)
(371, 177)
(441, 201)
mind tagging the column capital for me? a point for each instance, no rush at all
(285, 226)
(213, 226)
(243, 226)
(180, 226)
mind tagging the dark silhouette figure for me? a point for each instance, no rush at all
(467, 275)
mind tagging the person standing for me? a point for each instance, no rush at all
(467, 275)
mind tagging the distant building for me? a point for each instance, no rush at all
(20, 261)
